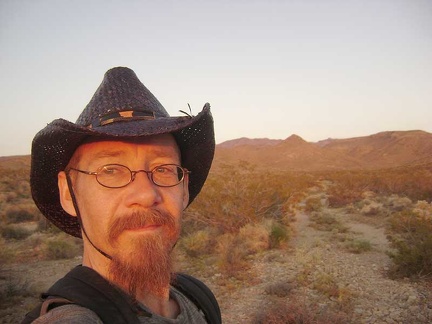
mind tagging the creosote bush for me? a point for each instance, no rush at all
(13, 289)
(358, 246)
(235, 250)
(21, 213)
(197, 243)
(411, 237)
(279, 235)
(313, 204)
(14, 232)
(6, 253)
(237, 195)
(413, 183)
(327, 222)
(61, 247)
(298, 312)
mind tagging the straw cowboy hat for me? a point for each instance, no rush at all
(121, 108)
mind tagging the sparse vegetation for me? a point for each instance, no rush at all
(313, 204)
(326, 222)
(6, 254)
(14, 232)
(358, 246)
(298, 312)
(241, 214)
(411, 237)
(279, 235)
(197, 243)
(61, 248)
(13, 289)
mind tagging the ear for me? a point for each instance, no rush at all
(185, 191)
(65, 196)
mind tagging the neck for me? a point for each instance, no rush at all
(160, 305)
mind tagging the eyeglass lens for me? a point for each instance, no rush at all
(116, 175)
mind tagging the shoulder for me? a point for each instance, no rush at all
(200, 295)
(73, 314)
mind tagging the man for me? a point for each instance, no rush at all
(120, 178)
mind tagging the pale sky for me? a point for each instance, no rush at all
(315, 68)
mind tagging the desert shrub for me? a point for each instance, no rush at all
(411, 237)
(279, 234)
(198, 243)
(279, 289)
(232, 257)
(351, 209)
(14, 232)
(358, 246)
(348, 188)
(255, 238)
(235, 249)
(368, 194)
(423, 209)
(6, 253)
(14, 185)
(396, 203)
(326, 284)
(60, 248)
(313, 204)
(14, 288)
(340, 197)
(411, 182)
(236, 195)
(327, 222)
(21, 213)
(371, 209)
(298, 312)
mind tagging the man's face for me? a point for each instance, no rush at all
(128, 222)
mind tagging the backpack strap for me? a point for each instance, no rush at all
(53, 302)
(200, 295)
(85, 287)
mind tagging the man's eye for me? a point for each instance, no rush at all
(112, 170)
(161, 170)
(108, 171)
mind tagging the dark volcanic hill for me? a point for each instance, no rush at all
(382, 150)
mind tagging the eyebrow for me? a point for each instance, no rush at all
(156, 152)
(106, 153)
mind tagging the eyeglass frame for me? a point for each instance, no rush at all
(133, 174)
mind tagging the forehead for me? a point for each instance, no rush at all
(154, 146)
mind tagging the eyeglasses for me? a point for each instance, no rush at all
(118, 176)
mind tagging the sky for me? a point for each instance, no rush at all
(272, 68)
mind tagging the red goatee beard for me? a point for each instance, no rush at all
(145, 266)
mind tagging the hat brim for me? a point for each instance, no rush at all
(53, 147)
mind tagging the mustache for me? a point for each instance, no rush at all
(139, 219)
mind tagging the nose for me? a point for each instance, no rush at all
(142, 191)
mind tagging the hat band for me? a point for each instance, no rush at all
(125, 115)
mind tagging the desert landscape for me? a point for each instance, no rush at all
(284, 231)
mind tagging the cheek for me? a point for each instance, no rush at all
(174, 201)
(95, 209)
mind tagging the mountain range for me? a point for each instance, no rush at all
(382, 150)
(378, 151)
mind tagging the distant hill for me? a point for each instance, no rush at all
(382, 150)
(386, 149)
(15, 162)
(244, 141)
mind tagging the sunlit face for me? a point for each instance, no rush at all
(101, 207)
